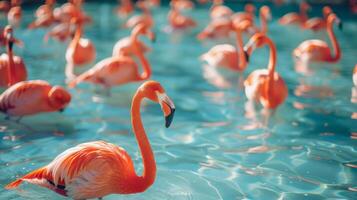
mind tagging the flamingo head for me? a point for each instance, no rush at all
(326, 11)
(333, 18)
(249, 8)
(58, 98)
(8, 34)
(155, 92)
(265, 11)
(142, 29)
(256, 41)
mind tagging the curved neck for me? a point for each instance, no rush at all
(271, 64)
(263, 23)
(335, 45)
(149, 173)
(77, 34)
(146, 67)
(242, 61)
(10, 70)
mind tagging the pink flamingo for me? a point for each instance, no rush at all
(12, 68)
(219, 28)
(144, 18)
(319, 51)
(248, 14)
(44, 15)
(265, 85)
(316, 23)
(294, 18)
(33, 97)
(125, 8)
(80, 51)
(178, 21)
(228, 56)
(129, 45)
(96, 169)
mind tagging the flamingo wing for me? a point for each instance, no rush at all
(88, 170)
(24, 97)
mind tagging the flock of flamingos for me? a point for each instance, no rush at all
(96, 169)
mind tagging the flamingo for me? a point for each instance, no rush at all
(265, 85)
(4, 6)
(355, 75)
(12, 68)
(248, 14)
(228, 56)
(69, 10)
(44, 15)
(219, 10)
(294, 18)
(80, 51)
(125, 8)
(318, 50)
(115, 71)
(128, 45)
(316, 23)
(33, 97)
(219, 28)
(144, 18)
(60, 32)
(96, 169)
(14, 15)
(182, 4)
(264, 15)
(178, 21)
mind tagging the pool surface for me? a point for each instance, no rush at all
(215, 148)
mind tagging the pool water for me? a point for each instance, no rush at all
(216, 148)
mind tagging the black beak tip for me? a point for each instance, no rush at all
(246, 56)
(340, 26)
(11, 44)
(61, 110)
(169, 118)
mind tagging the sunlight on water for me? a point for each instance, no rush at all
(218, 147)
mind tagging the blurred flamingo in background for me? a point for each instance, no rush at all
(125, 8)
(12, 68)
(316, 23)
(179, 21)
(115, 71)
(226, 55)
(128, 46)
(318, 50)
(248, 14)
(264, 15)
(144, 18)
(44, 15)
(218, 10)
(60, 32)
(80, 51)
(265, 86)
(96, 169)
(33, 97)
(219, 28)
(182, 4)
(294, 18)
(15, 13)
(71, 10)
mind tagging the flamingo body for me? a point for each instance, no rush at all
(32, 97)
(224, 55)
(82, 53)
(110, 72)
(255, 88)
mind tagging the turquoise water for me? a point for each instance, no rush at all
(214, 149)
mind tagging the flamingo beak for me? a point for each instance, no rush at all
(246, 56)
(167, 107)
(339, 24)
(10, 38)
(61, 110)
